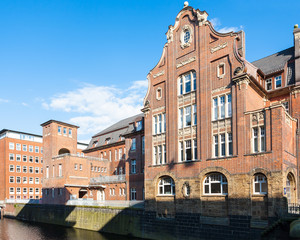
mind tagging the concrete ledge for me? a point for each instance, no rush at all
(222, 221)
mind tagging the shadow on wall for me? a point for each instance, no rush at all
(169, 218)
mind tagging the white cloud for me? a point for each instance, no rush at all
(3, 100)
(24, 104)
(217, 25)
(96, 107)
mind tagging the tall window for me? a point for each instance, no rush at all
(143, 144)
(278, 82)
(133, 166)
(132, 194)
(166, 186)
(260, 185)
(187, 83)
(59, 170)
(269, 84)
(120, 153)
(59, 129)
(215, 183)
(222, 145)
(11, 146)
(188, 116)
(159, 123)
(188, 150)
(139, 125)
(258, 139)
(221, 107)
(47, 172)
(133, 144)
(159, 154)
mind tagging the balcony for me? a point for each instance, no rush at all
(107, 179)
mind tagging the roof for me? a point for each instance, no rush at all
(8, 130)
(274, 62)
(112, 134)
(121, 124)
(59, 122)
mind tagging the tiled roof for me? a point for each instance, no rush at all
(274, 62)
(114, 132)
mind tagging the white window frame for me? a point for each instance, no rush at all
(186, 79)
(278, 78)
(11, 146)
(269, 83)
(215, 178)
(166, 182)
(220, 104)
(260, 179)
(133, 166)
(132, 194)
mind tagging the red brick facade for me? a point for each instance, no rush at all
(230, 130)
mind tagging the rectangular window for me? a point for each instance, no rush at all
(70, 132)
(30, 158)
(165, 154)
(30, 148)
(120, 153)
(18, 179)
(24, 169)
(11, 190)
(188, 117)
(195, 149)
(76, 166)
(59, 170)
(47, 172)
(18, 146)
(194, 81)
(215, 108)
(65, 131)
(262, 139)
(18, 169)
(229, 136)
(188, 150)
(133, 166)
(154, 155)
(222, 136)
(286, 106)
(180, 86)
(37, 170)
(11, 179)
(181, 118)
(187, 83)
(24, 158)
(36, 159)
(255, 139)
(165, 123)
(194, 114)
(18, 158)
(18, 190)
(139, 125)
(116, 154)
(37, 191)
(11, 157)
(80, 167)
(30, 169)
(11, 168)
(269, 84)
(31, 180)
(24, 179)
(133, 144)
(143, 144)
(159, 148)
(181, 152)
(37, 180)
(155, 125)
(132, 193)
(216, 146)
(24, 148)
(222, 106)
(278, 82)
(11, 146)
(37, 149)
(59, 129)
(24, 190)
(228, 104)
(109, 156)
(159, 130)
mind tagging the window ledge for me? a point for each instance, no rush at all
(188, 161)
(185, 94)
(222, 158)
(214, 195)
(220, 119)
(258, 153)
(165, 195)
(259, 194)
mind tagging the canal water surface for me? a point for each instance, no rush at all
(11, 229)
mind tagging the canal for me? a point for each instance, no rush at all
(11, 229)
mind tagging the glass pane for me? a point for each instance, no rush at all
(167, 189)
(225, 188)
(264, 187)
(206, 189)
(257, 188)
(215, 188)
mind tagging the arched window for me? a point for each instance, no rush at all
(260, 185)
(166, 186)
(215, 183)
(63, 151)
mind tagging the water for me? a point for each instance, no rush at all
(11, 229)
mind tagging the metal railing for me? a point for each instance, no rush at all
(107, 179)
(112, 203)
(294, 208)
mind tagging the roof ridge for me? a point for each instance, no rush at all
(272, 54)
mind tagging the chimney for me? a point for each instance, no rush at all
(297, 53)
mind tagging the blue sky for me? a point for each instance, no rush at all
(86, 62)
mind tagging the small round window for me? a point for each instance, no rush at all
(187, 36)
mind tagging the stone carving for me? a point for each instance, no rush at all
(182, 63)
(237, 71)
(170, 34)
(254, 117)
(261, 115)
(201, 17)
(183, 44)
(219, 47)
(159, 74)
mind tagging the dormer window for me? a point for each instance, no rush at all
(107, 140)
(95, 143)
(269, 84)
(122, 138)
(139, 125)
(278, 82)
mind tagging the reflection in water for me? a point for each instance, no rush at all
(11, 229)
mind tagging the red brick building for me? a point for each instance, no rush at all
(21, 162)
(221, 133)
(110, 167)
